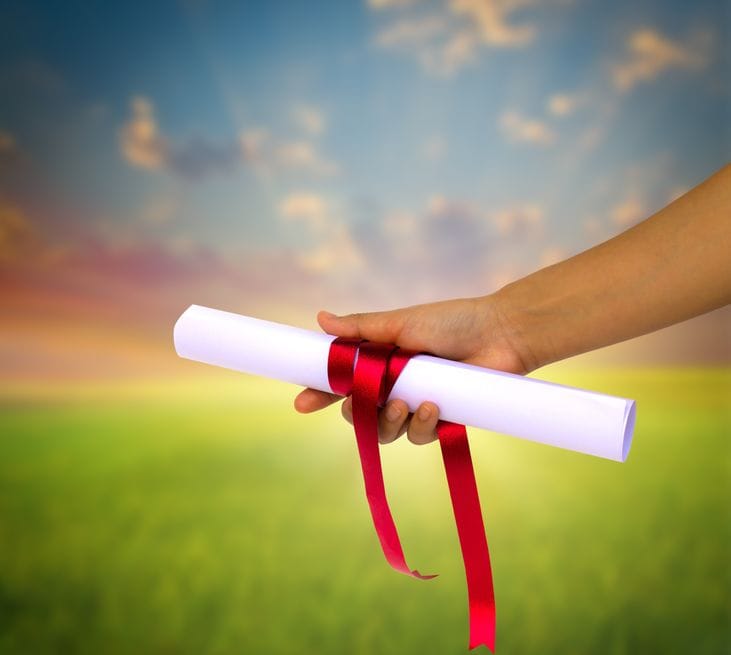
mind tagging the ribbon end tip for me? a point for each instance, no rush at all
(486, 640)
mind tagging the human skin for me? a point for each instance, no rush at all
(671, 267)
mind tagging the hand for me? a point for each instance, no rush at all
(471, 330)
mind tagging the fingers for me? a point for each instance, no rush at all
(422, 428)
(394, 420)
(376, 326)
(312, 400)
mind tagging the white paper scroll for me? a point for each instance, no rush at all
(583, 421)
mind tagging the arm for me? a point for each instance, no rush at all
(671, 267)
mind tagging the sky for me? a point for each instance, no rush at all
(277, 158)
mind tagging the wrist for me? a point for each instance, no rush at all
(516, 328)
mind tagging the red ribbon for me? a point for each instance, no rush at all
(369, 370)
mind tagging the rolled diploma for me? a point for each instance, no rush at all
(553, 414)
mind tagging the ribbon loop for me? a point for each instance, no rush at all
(340, 363)
(369, 370)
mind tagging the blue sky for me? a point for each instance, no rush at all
(404, 150)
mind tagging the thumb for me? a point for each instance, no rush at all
(374, 326)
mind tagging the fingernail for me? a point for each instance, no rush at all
(424, 412)
(393, 413)
(329, 314)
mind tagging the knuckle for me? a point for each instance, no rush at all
(346, 411)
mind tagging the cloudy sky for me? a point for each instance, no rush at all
(275, 158)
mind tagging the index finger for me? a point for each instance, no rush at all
(312, 400)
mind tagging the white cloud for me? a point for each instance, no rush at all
(433, 40)
(310, 119)
(409, 32)
(388, 4)
(440, 249)
(143, 145)
(526, 130)
(457, 51)
(400, 225)
(648, 54)
(564, 104)
(270, 155)
(336, 253)
(491, 19)
(447, 247)
(450, 36)
(303, 155)
(519, 220)
(328, 246)
(254, 142)
(450, 247)
(140, 139)
(308, 207)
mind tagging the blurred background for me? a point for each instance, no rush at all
(277, 158)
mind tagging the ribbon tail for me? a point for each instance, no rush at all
(471, 530)
(368, 378)
(369, 371)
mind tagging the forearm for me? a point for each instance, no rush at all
(671, 267)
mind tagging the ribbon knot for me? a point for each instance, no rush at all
(369, 370)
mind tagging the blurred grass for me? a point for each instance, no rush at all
(207, 517)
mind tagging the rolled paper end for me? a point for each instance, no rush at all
(177, 332)
(629, 428)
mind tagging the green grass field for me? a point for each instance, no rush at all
(210, 518)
